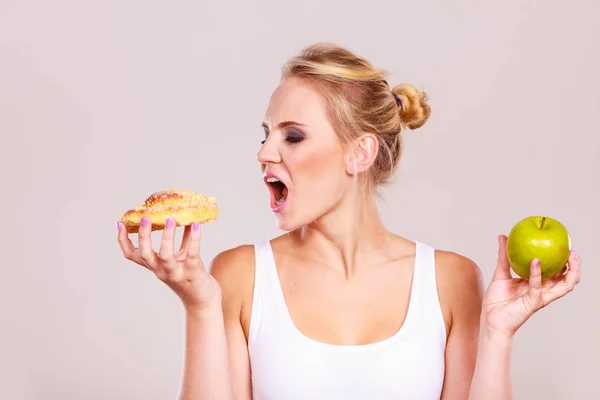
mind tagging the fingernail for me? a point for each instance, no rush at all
(144, 221)
(196, 226)
(536, 263)
(118, 226)
(169, 222)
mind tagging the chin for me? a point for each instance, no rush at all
(288, 221)
(287, 224)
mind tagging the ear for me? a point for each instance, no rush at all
(362, 154)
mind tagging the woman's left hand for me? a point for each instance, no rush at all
(509, 302)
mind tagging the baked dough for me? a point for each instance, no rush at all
(184, 206)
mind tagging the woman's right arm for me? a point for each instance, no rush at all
(216, 358)
(205, 372)
(217, 330)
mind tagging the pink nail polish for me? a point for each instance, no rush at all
(169, 222)
(118, 226)
(196, 226)
(144, 221)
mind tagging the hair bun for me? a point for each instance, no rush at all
(414, 110)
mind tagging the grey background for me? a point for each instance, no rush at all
(102, 103)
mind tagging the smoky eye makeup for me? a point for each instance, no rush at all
(294, 136)
(291, 136)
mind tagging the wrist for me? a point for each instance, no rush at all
(496, 337)
(211, 302)
(494, 334)
(200, 310)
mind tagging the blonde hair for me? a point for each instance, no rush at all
(360, 100)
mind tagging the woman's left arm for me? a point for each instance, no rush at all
(508, 303)
(482, 325)
(461, 290)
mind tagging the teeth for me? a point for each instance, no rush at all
(280, 201)
(272, 179)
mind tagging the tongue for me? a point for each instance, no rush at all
(284, 192)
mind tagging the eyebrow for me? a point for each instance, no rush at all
(284, 124)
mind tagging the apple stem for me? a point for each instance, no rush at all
(543, 221)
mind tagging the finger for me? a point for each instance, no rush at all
(573, 275)
(566, 283)
(533, 298)
(567, 275)
(502, 267)
(193, 254)
(165, 253)
(127, 247)
(147, 254)
(185, 240)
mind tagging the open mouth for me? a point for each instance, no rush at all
(279, 191)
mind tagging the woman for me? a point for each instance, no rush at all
(339, 307)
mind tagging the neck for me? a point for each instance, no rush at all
(344, 237)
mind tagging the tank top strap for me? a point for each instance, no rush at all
(424, 274)
(268, 303)
(424, 288)
(264, 269)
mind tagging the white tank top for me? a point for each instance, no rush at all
(287, 365)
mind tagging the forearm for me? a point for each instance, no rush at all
(205, 369)
(492, 378)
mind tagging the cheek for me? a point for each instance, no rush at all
(319, 167)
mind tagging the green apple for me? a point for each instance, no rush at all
(538, 237)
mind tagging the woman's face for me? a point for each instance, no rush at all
(302, 158)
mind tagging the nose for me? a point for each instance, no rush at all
(268, 153)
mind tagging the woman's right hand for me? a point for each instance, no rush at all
(183, 272)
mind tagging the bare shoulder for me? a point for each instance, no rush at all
(234, 269)
(234, 260)
(456, 270)
(460, 285)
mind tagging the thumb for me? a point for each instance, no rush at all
(502, 267)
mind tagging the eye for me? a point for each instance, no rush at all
(294, 137)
